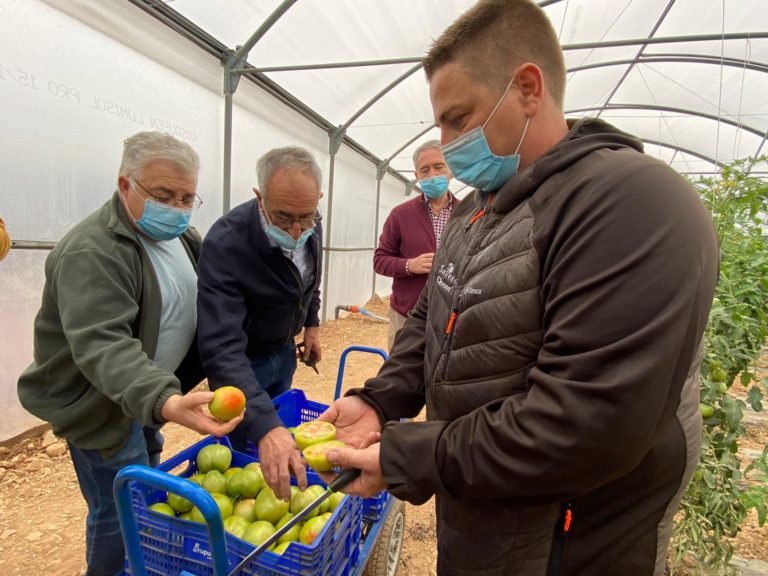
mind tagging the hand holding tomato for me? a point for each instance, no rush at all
(371, 480)
(355, 420)
(188, 411)
(228, 402)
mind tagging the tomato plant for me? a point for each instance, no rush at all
(721, 495)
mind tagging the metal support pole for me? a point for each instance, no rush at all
(234, 65)
(227, 191)
(335, 139)
(381, 170)
(328, 220)
(32, 245)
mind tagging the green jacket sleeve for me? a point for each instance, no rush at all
(98, 303)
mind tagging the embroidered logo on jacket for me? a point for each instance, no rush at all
(445, 278)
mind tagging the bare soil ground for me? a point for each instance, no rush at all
(42, 513)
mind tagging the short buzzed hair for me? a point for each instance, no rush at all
(292, 157)
(426, 146)
(494, 37)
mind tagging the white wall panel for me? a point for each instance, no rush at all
(21, 284)
(65, 113)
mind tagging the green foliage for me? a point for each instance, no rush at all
(722, 493)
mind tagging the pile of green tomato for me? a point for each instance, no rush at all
(249, 507)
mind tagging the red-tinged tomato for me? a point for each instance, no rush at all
(311, 529)
(228, 402)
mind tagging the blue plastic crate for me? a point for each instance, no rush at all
(171, 545)
(373, 507)
(293, 408)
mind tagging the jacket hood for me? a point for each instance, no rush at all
(584, 137)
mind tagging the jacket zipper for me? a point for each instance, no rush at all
(449, 339)
(299, 304)
(562, 528)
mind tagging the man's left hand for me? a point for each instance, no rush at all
(312, 344)
(278, 456)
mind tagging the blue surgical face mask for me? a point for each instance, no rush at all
(434, 187)
(161, 222)
(472, 161)
(285, 240)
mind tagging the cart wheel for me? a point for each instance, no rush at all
(385, 556)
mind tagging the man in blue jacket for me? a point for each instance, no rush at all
(259, 278)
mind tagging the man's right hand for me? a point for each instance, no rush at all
(355, 421)
(421, 264)
(278, 455)
(188, 411)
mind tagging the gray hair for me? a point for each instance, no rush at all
(426, 146)
(292, 157)
(143, 148)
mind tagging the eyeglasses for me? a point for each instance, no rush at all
(188, 202)
(285, 222)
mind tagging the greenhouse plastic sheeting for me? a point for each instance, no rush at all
(79, 76)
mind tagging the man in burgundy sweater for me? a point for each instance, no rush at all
(412, 232)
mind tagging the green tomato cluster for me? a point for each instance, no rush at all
(249, 507)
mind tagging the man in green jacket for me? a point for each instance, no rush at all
(115, 351)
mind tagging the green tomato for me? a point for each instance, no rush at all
(214, 481)
(236, 525)
(334, 500)
(269, 507)
(258, 532)
(162, 508)
(706, 410)
(178, 503)
(214, 457)
(245, 483)
(316, 455)
(718, 374)
(313, 432)
(281, 547)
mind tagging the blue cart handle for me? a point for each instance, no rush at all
(185, 488)
(343, 362)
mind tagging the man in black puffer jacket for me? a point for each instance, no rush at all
(558, 341)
